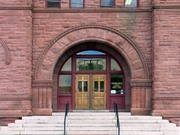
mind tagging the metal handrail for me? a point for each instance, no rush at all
(117, 116)
(66, 113)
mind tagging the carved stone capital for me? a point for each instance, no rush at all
(42, 83)
(141, 83)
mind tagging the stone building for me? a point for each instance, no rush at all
(90, 53)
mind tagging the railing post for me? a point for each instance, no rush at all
(115, 107)
(117, 117)
(66, 112)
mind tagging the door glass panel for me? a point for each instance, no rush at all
(85, 86)
(117, 84)
(86, 64)
(101, 86)
(79, 86)
(64, 84)
(114, 65)
(95, 86)
(67, 65)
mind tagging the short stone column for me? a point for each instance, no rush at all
(42, 97)
(141, 96)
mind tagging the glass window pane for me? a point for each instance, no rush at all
(85, 64)
(107, 3)
(101, 86)
(85, 86)
(90, 52)
(117, 84)
(79, 86)
(53, 3)
(131, 3)
(95, 86)
(65, 84)
(77, 3)
(67, 65)
(114, 65)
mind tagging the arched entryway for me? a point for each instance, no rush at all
(116, 44)
(92, 75)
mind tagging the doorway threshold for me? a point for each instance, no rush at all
(91, 111)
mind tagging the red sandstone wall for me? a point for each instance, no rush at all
(15, 77)
(15, 3)
(16, 27)
(49, 23)
(166, 2)
(47, 26)
(166, 65)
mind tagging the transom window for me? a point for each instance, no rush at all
(90, 52)
(89, 64)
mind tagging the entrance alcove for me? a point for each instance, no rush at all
(107, 99)
(126, 52)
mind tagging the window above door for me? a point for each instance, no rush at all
(91, 60)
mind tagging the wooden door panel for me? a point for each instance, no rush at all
(90, 92)
(99, 92)
(82, 92)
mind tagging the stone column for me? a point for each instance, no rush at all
(42, 97)
(141, 96)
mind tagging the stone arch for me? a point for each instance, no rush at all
(6, 50)
(140, 81)
(127, 47)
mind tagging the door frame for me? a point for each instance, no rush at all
(107, 72)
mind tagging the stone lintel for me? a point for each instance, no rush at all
(42, 83)
(141, 82)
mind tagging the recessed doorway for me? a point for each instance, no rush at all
(91, 80)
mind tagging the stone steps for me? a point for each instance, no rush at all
(90, 123)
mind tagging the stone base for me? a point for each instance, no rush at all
(42, 111)
(140, 111)
(9, 116)
(14, 113)
(171, 115)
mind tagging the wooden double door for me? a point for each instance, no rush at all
(90, 91)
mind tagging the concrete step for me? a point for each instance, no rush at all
(90, 123)
(105, 132)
